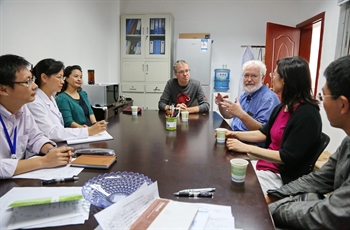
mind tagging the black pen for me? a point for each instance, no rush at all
(194, 194)
(54, 181)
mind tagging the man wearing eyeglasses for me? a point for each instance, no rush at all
(20, 137)
(301, 204)
(255, 105)
(183, 92)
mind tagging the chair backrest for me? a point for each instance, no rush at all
(321, 146)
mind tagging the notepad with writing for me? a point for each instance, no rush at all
(93, 161)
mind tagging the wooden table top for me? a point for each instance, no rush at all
(186, 158)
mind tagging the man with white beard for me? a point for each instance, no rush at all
(255, 105)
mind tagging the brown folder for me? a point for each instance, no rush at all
(94, 161)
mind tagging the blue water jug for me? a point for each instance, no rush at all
(221, 80)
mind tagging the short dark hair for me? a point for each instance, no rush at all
(297, 81)
(47, 66)
(9, 65)
(67, 71)
(337, 75)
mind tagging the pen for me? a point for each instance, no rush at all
(194, 194)
(199, 190)
(54, 181)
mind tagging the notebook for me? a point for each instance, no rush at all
(93, 161)
(127, 110)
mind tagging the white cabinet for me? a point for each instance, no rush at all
(146, 56)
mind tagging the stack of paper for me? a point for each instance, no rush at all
(145, 210)
(38, 207)
(52, 173)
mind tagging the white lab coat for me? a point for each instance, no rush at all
(49, 119)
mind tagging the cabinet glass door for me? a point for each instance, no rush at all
(157, 38)
(133, 33)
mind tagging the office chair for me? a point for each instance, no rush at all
(322, 145)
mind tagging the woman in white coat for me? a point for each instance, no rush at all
(49, 78)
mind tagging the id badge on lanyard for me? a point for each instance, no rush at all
(11, 144)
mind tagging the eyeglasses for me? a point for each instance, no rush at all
(322, 96)
(246, 76)
(25, 83)
(61, 78)
(183, 71)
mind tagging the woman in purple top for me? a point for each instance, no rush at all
(293, 131)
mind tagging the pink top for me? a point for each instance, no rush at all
(276, 133)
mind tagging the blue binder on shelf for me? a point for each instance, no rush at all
(156, 26)
(151, 28)
(156, 47)
(138, 48)
(129, 23)
(163, 26)
(127, 46)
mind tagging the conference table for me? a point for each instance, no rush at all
(186, 158)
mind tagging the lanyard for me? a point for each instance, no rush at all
(11, 145)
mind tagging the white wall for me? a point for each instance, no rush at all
(234, 23)
(75, 32)
(87, 32)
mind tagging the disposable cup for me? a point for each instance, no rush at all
(238, 169)
(134, 109)
(220, 135)
(184, 116)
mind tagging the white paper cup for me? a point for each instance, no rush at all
(238, 169)
(184, 116)
(221, 135)
(134, 109)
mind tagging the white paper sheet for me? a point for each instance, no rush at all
(123, 214)
(52, 173)
(20, 193)
(128, 209)
(97, 137)
(213, 216)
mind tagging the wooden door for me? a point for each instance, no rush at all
(281, 41)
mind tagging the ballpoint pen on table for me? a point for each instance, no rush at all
(54, 181)
(194, 194)
(199, 190)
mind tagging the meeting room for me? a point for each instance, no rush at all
(129, 114)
